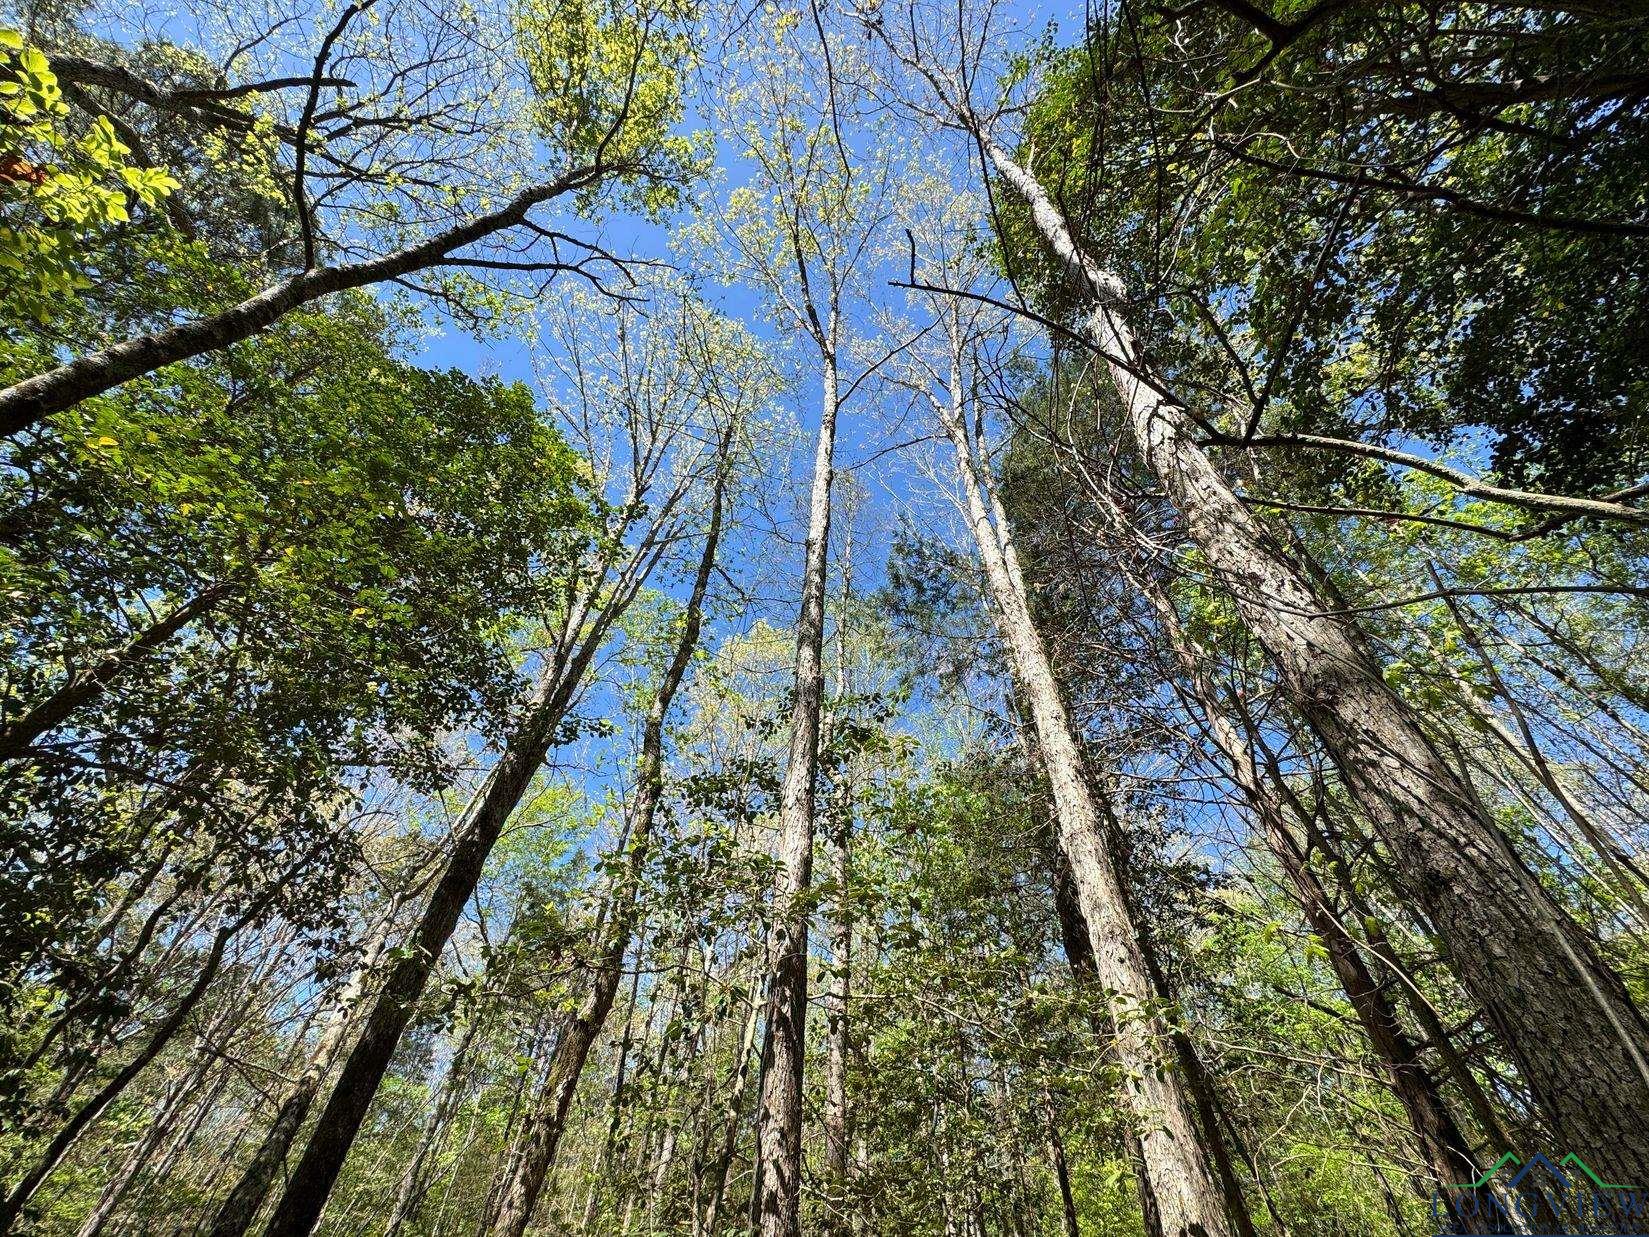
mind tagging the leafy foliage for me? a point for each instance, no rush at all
(58, 189)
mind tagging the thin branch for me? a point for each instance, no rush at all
(1569, 507)
(300, 198)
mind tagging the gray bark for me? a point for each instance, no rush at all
(1577, 1038)
(774, 1206)
(1181, 1180)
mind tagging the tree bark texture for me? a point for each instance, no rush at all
(1182, 1181)
(1578, 1039)
(775, 1205)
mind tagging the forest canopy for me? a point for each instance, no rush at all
(629, 617)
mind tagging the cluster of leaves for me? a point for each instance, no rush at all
(58, 188)
(607, 84)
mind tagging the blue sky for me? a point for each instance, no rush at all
(887, 480)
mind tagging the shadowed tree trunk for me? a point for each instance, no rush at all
(616, 1104)
(837, 994)
(83, 686)
(549, 1114)
(1061, 1165)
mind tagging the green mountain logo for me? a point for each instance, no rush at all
(1564, 1171)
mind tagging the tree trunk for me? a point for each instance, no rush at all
(837, 994)
(12, 1206)
(1578, 1039)
(549, 1115)
(1444, 1147)
(1079, 957)
(483, 819)
(775, 1203)
(839, 982)
(1183, 1183)
(738, 1085)
(84, 685)
(1061, 1166)
(241, 1207)
(615, 1105)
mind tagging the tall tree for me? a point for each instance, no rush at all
(802, 235)
(644, 525)
(1517, 951)
(731, 379)
(1183, 1186)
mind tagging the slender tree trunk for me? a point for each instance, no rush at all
(1182, 1181)
(839, 983)
(240, 1208)
(688, 1123)
(12, 1206)
(1444, 1147)
(1578, 1039)
(176, 1134)
(837, 1116)
(615, 1106)
(409, 1194)
(311, 1180)
(1625, 870)
(1079, 957)
(738, 1087)
(775, 1204)
(660, 1175)
(549, 1115)
(82, 686)
(1061, 1166)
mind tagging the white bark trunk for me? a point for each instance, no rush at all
(1181, 1178)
